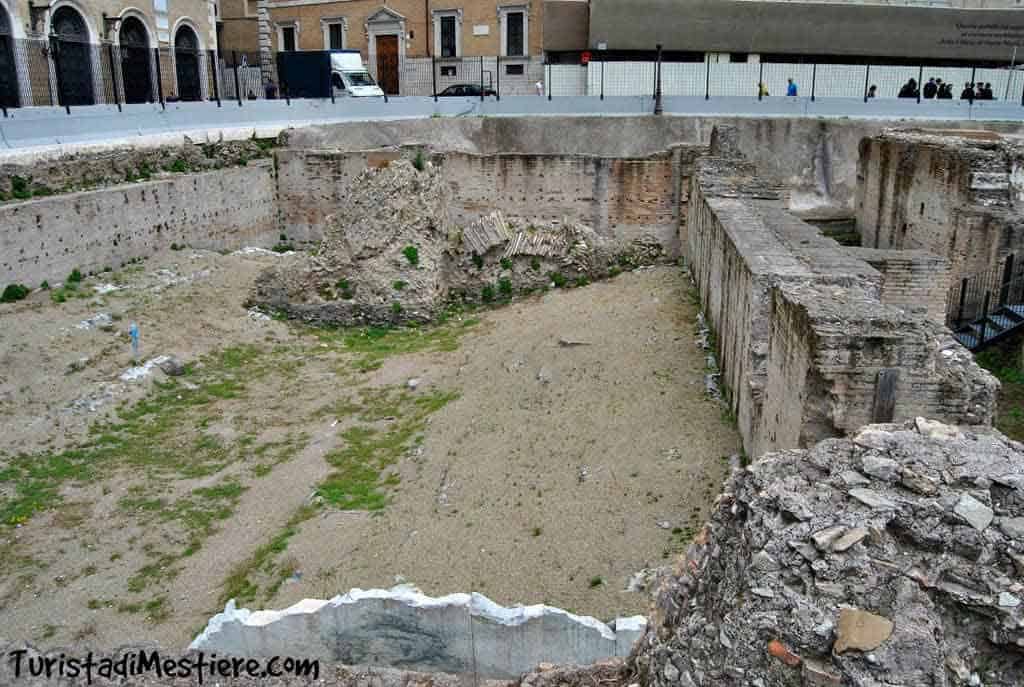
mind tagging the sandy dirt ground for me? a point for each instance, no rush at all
(520, 467)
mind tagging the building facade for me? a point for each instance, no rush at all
(408, 45)
(83, 52)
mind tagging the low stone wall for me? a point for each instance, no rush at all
(808, 345)
(621, 198)
(46, 238)
(402, 628)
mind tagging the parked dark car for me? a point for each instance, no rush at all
(471, 90)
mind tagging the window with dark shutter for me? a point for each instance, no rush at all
(514, 31)
(448, 37)
(335, 36)
(288, 38)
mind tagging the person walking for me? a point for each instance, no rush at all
(791, 88)
(930, 89)
(872, 92)
(762, 90)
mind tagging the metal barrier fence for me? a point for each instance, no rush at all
(66, 73)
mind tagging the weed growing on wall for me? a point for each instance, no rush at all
(14, 292)
(412, 254)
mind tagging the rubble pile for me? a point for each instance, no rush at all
(895, 557)
(394, 254)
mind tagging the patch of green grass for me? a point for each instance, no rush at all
(373, 345)
(179, 166)
(147, 438)
(535, 264)
(399, 285)
(75, 277)
(596, 581)
(420, 161)
(478, 260)
(362, 468)
(396, 308)
(558, 279)
(1005, 363)
(412, 254)
(487, 294)
(506, 263)
(242, 584)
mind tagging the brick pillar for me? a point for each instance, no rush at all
(266, 52)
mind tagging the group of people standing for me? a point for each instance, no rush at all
(938, 90)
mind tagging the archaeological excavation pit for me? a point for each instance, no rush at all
(488, 363)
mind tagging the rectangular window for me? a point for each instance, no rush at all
(288, 38)
(334, 32)
(514, 34)
(448, 37)
(514, 69)
(448, 71)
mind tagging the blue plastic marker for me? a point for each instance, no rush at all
(133, 331)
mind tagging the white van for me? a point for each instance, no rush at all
(350, 77)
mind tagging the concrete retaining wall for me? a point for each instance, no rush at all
(46, 238)
(402, 628)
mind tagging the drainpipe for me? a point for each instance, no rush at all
(426, 21)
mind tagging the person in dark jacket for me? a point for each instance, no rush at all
(930, 89)
(968, 92)
(909, 89)
(945, 91)
(987, 93)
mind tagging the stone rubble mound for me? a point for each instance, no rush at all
(394, 254)
(895, 557)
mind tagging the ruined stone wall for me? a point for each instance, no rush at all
(46, 238)
(803, 328)
(911, 279)
(622, 198)
(953, 194)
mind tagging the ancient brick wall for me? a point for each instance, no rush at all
(619, 197)
(806, 330)
(46, 238)
(955, 194)
(911, 279)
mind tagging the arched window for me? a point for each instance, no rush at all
(8, 67)
(186, 63)
(135, 61)
(73, 57)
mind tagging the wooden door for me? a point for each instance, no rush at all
(387, 64)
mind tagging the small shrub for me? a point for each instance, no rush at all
(505, 287)
(535, 265)
(346, 289)
(179, 165)
(396, 308)
(487, 294)
(558, 279)
(412, 254)
(420, 161)
(582, 281)
(506, 263)
(20, 187)
(478, 260)
(614, 272)
(75, 276)
(399, 285)
(596, 581)
(45, 286)
(14, 292)
(537, 531)
(58, 296)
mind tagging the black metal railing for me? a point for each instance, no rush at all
(56, 71)
(974, 298)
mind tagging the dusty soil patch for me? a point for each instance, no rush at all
(289, 462)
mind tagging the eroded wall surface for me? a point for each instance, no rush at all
(46, 238)
(622, 198)
(957, 195)
(810, 343)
